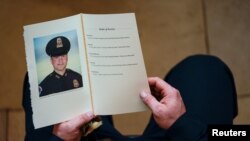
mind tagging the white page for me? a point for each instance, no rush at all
(117, 70)
(58, 107)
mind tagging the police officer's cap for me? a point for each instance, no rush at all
(58, 46)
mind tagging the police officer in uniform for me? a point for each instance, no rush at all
(62, 78)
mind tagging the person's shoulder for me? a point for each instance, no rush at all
(48, 78)
(71, 72)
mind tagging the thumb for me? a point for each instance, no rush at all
(81, 119)
(149, 100)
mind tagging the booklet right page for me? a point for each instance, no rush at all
(116, 67)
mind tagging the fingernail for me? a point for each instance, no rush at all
(90, 114)
(143, 94)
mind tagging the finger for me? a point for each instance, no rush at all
(150, 101)
(80, 120)
(160, 85)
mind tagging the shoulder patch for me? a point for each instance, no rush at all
(40, 89)
(76, 83)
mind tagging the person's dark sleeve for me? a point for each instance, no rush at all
(42, 134)
(187, 129)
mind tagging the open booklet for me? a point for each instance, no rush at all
(85, 62)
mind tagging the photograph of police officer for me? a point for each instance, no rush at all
(61, 78)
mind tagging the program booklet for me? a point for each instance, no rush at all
(85, 62)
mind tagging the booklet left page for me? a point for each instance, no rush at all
(57, 70)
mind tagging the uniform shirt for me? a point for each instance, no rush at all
(55, 82)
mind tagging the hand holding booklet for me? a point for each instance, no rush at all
(85, 62)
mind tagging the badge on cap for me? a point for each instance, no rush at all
(76, 83)
(59, 43)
